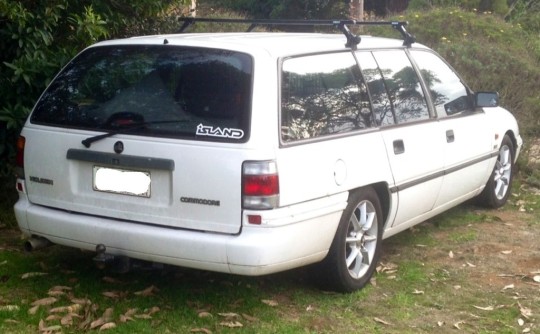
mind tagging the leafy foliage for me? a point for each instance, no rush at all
(490, 54)
(39, 37)
(288, 9)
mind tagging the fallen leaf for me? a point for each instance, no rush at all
(111, 280)
(11, 321)
(111, 294)
(417, 292)
(153, 310)
(249, 318)
(440, 323)
(536, 278)
(56, 293)
(44, 301)
(229, 315)
(231, 324)
(108, 325)
(131, 311)
(124, 318)
(525, 312)
(33, 274)
(451, 254)
(43, 329)
(487, 308)
(149, 291)
(81, 301)
(506, 252)
(379, 320)
(53, 317)
(108, 314)
(60, 288)
(471, 265)
(60, 309)
(67, 320)
(270, 302)
(143, 316)
(508, 287)
(97, 323)
(205, 314)
(457, 287)
(33, 310)
(457, 324)
(9, 308)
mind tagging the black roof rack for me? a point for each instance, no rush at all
(352, 39)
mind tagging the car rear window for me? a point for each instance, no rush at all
(168, 91)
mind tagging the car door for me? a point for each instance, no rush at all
(467, 147)
(411, 135)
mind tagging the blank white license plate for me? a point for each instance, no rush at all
(122, 181)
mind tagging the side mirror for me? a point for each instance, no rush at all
(486, 99)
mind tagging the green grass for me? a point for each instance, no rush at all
(428, 291)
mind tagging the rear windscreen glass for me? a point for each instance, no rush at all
(167, 91)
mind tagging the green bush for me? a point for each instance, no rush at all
(38, 37)
(488, 52)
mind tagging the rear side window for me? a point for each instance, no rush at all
(168, 91)
(322, 95)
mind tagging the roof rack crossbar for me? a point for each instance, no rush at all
(352, 39)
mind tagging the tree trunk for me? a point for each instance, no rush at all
(356, 10)
(193, 8)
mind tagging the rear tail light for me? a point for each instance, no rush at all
(19, 158)
(260, 185)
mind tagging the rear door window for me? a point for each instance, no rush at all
(168, 91)
(403, 86)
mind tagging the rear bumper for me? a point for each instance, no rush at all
(292, 237)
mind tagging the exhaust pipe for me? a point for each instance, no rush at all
(36, 243)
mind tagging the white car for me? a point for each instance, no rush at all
(254, 153)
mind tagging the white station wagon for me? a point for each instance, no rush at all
(253, 153)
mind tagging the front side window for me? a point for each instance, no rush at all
(403, 86)
(322, 95)
(179, 92)
(448, 93)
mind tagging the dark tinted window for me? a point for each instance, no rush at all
(448, 93)
(172, 91)
(403, 86)
(323, 95)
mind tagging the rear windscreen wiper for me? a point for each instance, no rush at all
(133, 126)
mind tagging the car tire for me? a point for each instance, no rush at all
(356, 248)
(498, 187)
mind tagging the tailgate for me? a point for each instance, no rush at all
(165, 182)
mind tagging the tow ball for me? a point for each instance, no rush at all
(103, 260)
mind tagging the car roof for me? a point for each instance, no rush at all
(275, 44)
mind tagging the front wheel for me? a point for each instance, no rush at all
(498, 187)
(356, 247)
